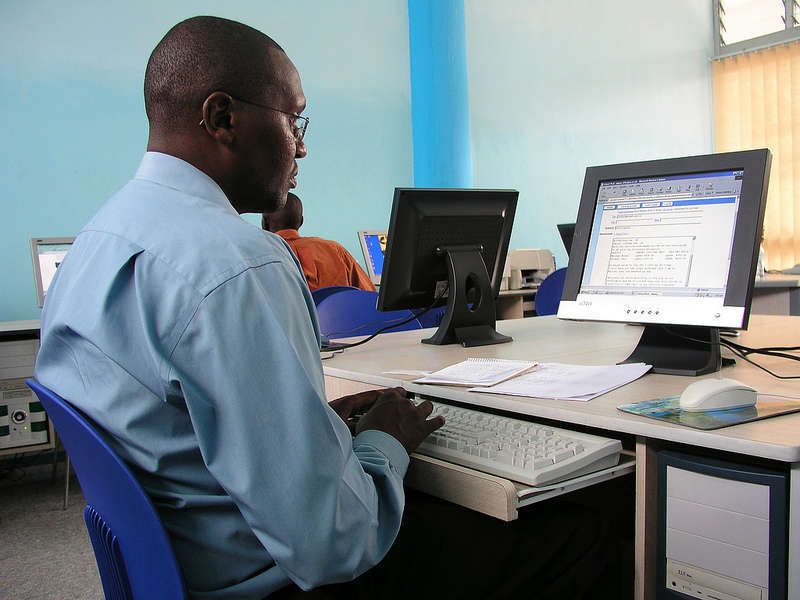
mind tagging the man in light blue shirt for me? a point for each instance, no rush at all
(190, 337)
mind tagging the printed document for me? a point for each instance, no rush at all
(479, 371)
(568, 382)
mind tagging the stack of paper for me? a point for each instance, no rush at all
(479, 371)
(568, 382)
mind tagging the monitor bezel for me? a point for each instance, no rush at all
(755, 165)
(362, 238)
(412, 280)
(404, 209)
(567, 233)
(37, 271)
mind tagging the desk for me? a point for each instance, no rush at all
(777, 294)
(773, 441)
(14, 329)
(515, 304)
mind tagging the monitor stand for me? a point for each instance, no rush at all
(679, 349)
(468, 321)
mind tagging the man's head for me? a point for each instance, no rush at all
(224, 97)
(289, 217)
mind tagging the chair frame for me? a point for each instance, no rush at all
(131, 547)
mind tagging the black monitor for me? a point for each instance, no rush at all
(671, 244)
(453, 243)
(567, 232)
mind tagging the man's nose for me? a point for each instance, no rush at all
(301, 150)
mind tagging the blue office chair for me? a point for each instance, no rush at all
(132, 550)
(353, 313)
(433, 317)
(548, 295)
(321, 293)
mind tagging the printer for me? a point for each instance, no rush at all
(526, 268)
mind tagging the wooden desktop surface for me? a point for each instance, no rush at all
(548, 339)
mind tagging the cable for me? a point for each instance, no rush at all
(779, 351)
(743, 351)
(392, 326)
(743, 355)
(393, 323)
(365, 340)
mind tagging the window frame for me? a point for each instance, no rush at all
(790, 33)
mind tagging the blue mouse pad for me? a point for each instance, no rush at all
(668, 409)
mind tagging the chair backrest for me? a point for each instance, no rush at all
(433, 317)
(353, 313)
(131, 547)
(548, 295)
(321, 293)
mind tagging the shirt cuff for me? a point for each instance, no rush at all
(387, 445)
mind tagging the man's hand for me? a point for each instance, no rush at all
(350, 408)
(398, 416)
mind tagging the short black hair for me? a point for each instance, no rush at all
(289, 217)
(202, 55)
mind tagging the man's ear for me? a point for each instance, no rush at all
(218, 117)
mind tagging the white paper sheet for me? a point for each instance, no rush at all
(568, 382)
(478, 371)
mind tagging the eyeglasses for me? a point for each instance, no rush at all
(299, 122)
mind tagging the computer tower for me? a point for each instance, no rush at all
(722, 530)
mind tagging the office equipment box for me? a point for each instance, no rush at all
(526, 267)
(721, 530)
(24, 425)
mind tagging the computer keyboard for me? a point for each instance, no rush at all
(516, 449)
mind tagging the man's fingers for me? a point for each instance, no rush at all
(425, 407)
(365, 398)
(433, 424)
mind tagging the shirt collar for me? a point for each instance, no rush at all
(288, 234)
(175, 173)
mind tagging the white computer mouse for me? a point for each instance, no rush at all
(717, 394)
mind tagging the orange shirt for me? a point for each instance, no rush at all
(326, 262)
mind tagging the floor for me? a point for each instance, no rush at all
(45, 552)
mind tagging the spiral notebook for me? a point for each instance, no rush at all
(482, 372)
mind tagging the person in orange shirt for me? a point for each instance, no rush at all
(324, 262)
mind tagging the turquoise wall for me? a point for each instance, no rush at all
(555, 87)
(552, 88)
(75, 129)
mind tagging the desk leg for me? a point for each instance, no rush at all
(794, 532)
(646, 519)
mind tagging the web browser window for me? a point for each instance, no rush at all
(663, 236)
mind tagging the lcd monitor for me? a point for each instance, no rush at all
(47, 254)
(566, 231)
(449, 245)
(373, 245)
(671, 244)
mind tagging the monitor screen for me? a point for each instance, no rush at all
(373, 245)
(47, 254)
(669, 242)
(449, 243)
